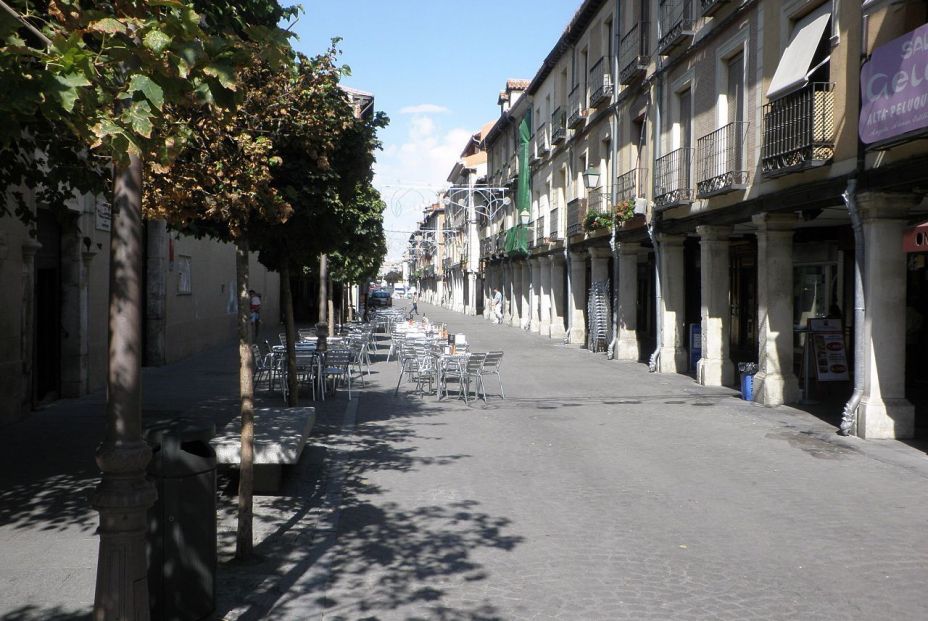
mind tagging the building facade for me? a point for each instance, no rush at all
(714, 183)
(53, 337)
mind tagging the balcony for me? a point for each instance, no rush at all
(485, 247)
(533, 152)
(539, 230)
(600, 83)
(576, 212)
(799, 130)
(576, 108)
(542, 144)
(558, 126)
(672, 179)
(676, 27)
(631, 184)
(710, 7)
(720, 161)
(598, 201)
(500, 245)
(554, 224)
(514, 167)
(446, 263)
(633, 54)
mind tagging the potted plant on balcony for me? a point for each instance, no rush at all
(597, 220)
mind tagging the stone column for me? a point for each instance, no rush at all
(535, 296)
(600, 264)
(470, 307)
(884, 411)
(525, 294)
(558, 329)
(27, 322)
(673, 301)
(544, 293)
(627, 346)
(577, 297)
(515, 296)
(775, 382)
(715, 368)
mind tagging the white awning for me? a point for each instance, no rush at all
(793, 71)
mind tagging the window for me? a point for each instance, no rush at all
(806, 56)
(184, 286)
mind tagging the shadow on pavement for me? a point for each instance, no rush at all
(343, 553)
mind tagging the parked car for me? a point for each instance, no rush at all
(399, 292)
(380, 297)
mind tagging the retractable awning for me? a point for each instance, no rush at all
(793, 71)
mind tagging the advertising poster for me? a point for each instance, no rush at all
(829, 354)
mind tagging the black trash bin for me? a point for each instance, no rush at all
(182, 523)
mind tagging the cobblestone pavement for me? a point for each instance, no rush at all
(594, 491)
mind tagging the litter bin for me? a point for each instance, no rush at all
(747, 370)
(182, 522)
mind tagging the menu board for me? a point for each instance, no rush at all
(829, 354)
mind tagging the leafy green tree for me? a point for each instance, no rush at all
(120, 77)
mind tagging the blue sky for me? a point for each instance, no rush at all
(436, 68)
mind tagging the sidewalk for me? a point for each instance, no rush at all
(595, 490)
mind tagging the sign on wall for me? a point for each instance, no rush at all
(894, 88)
(828, 352)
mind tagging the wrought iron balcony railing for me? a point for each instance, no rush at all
(558, 126)
(534, 152)
(672, 185)
(576, 107)
(799, 130)
(676, 25)
(720, 158)
(500, 243)
(709, 7)
(540, 232)
(576, 212)
(530, 241)
(600, 82)
(542, 144)
(554, 223)
(598, 201)
(633, 53)
(631, 184)
(485, 247)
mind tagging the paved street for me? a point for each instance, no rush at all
(595, 491)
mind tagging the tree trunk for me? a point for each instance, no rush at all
(124, 494)
(244, 540)
(330, 302)
(293, 396)
(323, 281)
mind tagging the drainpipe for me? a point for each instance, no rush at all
(653, 232)
(658, 300)
(570, 292)
(849, 418)
(613, 172)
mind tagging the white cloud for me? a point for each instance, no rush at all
(411, 171)
(425, 108)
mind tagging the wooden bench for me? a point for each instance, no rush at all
(280, 435)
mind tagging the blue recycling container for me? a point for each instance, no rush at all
(747, 386)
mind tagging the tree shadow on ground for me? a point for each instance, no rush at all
(36, 613)
(338, 550)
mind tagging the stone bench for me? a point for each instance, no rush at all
(280, 435)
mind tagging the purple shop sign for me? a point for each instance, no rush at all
(894, 88)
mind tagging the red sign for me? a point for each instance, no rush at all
(916, 239)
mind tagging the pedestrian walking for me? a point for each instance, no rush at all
(255, 308)
(497, 306)
(415, 302)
